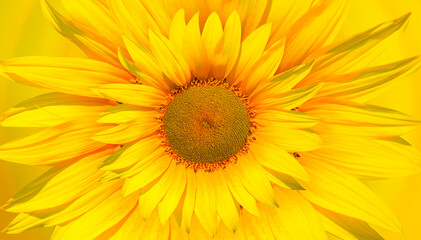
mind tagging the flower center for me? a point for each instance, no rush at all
(207, 124)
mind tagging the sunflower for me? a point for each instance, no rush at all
(208, 120)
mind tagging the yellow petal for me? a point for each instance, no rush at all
(59, 186)
(154, 229)
(51, 109)
(144, 65)
(170, 201)
(132, 228)
(294, 219)
(135, 18)
(68, 75)
(172, 63)
(359, 119)
(177, 29)
(135, 94)
(225, 205)
(141, 165)
(285, 81)
(53, 145)
(311, 31)
(123, 113)
(283, 14)
(130, 155)
(127, 132)
(252, 13)
(212, 33)
(205, 206)
(290, 140)
(94, 18)
(354, 52)
(346, 227)
(153, 195)
(84, 32)
(291, 99)
(251, 50)
(262, 70)
(342, 193)
(255, 180)
(228, 48)
(365, 84)
(287, 119)
(277, 159)
(99, 219)
(367, 158)
(283, 180)
(194, 50)
(239, 192)
(189, 201)
(53, 216)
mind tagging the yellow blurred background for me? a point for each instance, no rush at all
(25, 32)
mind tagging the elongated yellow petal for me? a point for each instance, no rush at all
(172, 63)
(99, 219)
(251, 50)
(136, 17)
(359, 119)
(67, 75)
(144, 164)
(171, 199)
(346, 227)
(132, 228)
(311, 31)
(283, 180)
(294, 219)
(277, 159)
(254, 227)
(366, 84)
(205, 206)
(194, 50)
(133, 154)
(127, 132)
(374, 158)
(189, 202)
(61, 187)
(144, 65)
(95, 19)
(228, 48)
(51, 109)
(255, 180)
(240, 193)
(225, 205)
(262, 70)
(177, 29)
(154, 229)
(290, 140)
(353, 52)
(283, 14)
(291, 99)
(135, 94)
(46, 218)
(53, 145)
(153, 195)
(94, 44)
(288, 119)
(123, 113)
(342, 193)
(212, 34)
(285, 81)
(146, 175)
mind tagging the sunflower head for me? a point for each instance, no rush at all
(206, 124)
